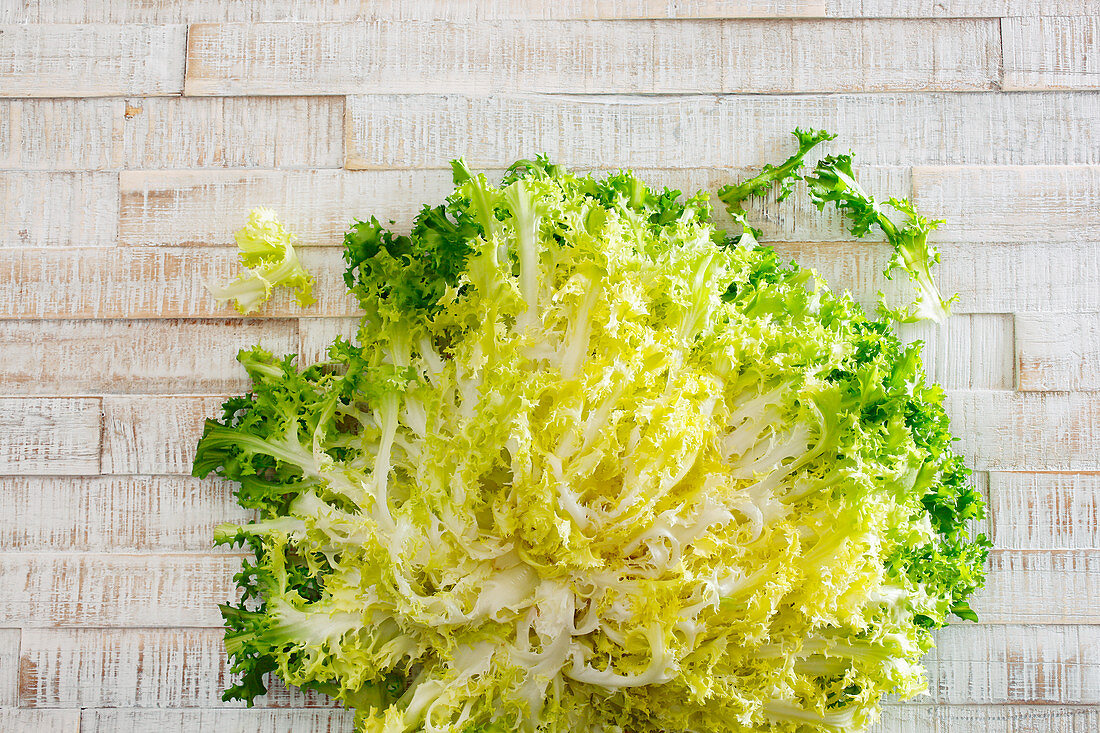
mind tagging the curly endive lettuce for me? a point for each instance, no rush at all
(266, 248)
(593, 466)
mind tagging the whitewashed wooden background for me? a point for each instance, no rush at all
(136, 134)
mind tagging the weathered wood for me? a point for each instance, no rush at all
(1051, 53)
(1045, 510)
(91, 60)
(955, 8)
(916, 717)
(171, 132)
(154, 435)
(206, 207)
(156, 668)
(115, 513)
(593, 57)
(151, 282)
(1041, 587)
(42, 436)
(1058, 352)
(1017, 719)
(106, 590)
(989, 278)
(1011, 203)
(129, 356)
(1015, 664)
(427, 131)
(967, 351)
(40, 721)
(1027, 431)
(207, 11)
(316, 334)
(58, 209)
(9, 667)
(137, 720)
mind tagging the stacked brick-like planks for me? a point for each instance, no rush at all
(135, 135)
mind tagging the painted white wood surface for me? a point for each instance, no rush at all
(135, 136)
(593, 57)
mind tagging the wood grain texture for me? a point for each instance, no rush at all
(39, 209)
(1041, 587)
(206, 207)
(151, 282)
(128, 356)
(171, 132)
(1015, 664)
(955, 8)
(9, 666)
(114, 513)
(131, 720)
(1058, 352)
(154, 435)
(988, 277)
(91, 60)
(207, 11)
(1051, 53)
(40, 721)
(1011, 203)
(44, 436)
(593, 57)
(1045, 510)
(157, 668)
(1026, 431)
(1017, 718)
(966, 351)
(107, 590)
(427, 131)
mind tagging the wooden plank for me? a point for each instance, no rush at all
(132, 356)
(58, 209)
(905, 718)
(427, 131)
(137, 720)
(204, 207)
(1015, 664)
(955, 8)
(44, 436)
(40, 721)
(967, 351)
(154, 435)
(151, 282)
(989, 278)
(1041, 587)
(115, 513)
(91, 60)
(155, 668)
(593, 57)
(1051, 53)
(171, 132)
(316, 334)
(1045, 510)
(1017, 718)
(1011, 203)
(9, 667)
(209, 11)
(108, 590)
(1058, 352)
(1027, 431)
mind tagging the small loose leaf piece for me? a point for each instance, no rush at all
(266, 249)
